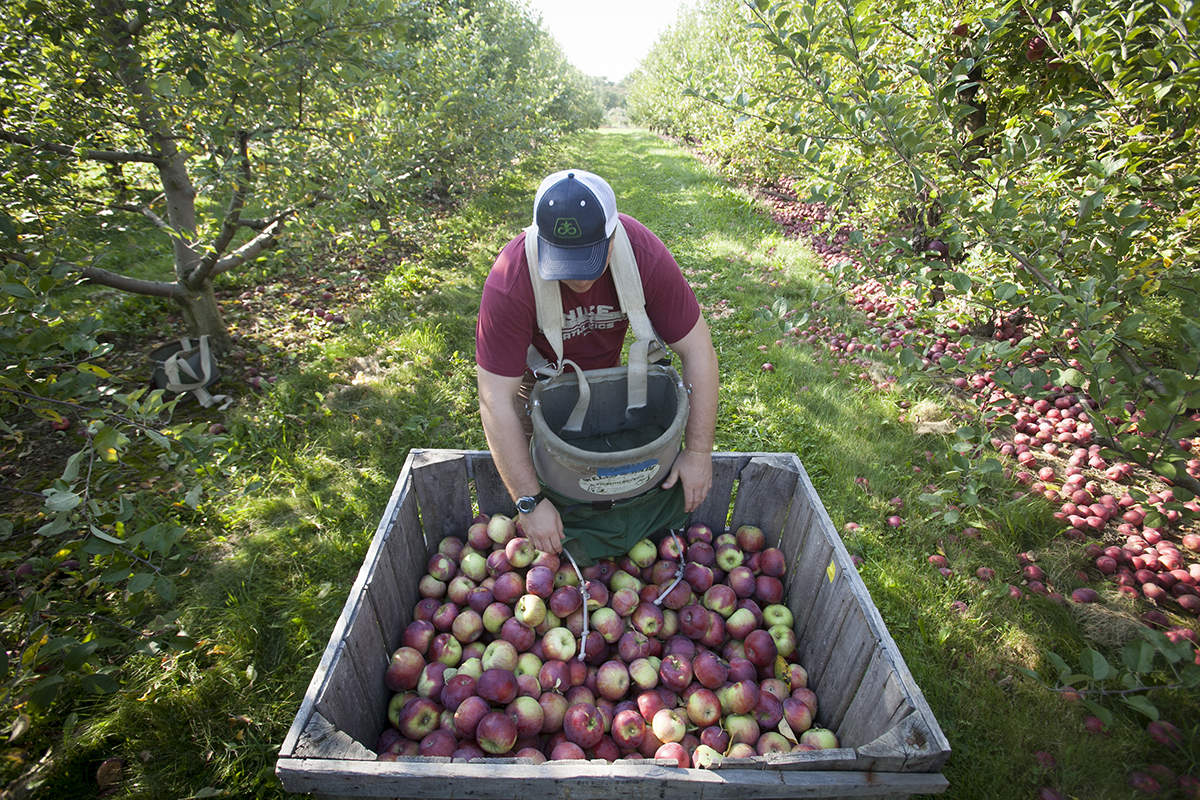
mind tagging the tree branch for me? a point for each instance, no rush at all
(264, 241)
(115, 280)
(229, 225)
(110, 156)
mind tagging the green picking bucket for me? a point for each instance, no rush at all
(618, 452)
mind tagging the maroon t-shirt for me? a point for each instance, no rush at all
(593, 325)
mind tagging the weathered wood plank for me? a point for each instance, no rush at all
(406, 552)
(714, 511)
(844, 670)
(443, 492)
(797, 529)
(382, 532)
(582, 780)
(383, 593)
(490, 493)
(322, 740)
(807, 574)
(875, 704)
(344, 703)
(765, 488)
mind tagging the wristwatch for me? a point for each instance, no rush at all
(526, 505)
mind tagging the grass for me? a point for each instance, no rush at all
(323, 445)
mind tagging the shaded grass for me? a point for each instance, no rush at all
(322, 449)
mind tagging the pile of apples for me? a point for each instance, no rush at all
(681, 650)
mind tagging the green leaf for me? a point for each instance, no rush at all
(1095, 665)
(99, 534)
(1102, 713)
(45, 692)
(1138, 656)
(140, 582)
(100, 684)
(18, 290)
(79, 655)
(1141, 704)
(57, 500)
(164, 587)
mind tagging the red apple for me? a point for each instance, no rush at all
(419, 718)
(675, 673)
(612, 680)
(418, 635)
(668, 725)
(703, 708)
(554, 709)
(457, 689)
(750, 538)
(497, 686)
(403, 672)
(583, 725)
(628, 729)
(496, 733)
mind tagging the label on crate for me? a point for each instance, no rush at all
(831, 571)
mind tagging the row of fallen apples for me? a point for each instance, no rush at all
(1147, 564)
(681, 651)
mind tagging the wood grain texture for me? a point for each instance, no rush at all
(443, 492)
(583, 780)
(490, 493)
(892, 745)
(714, 510)
(321, 740)
(765, 488)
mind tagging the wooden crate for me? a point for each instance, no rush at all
(892, 746)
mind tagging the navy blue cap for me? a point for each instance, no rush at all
(576, 214)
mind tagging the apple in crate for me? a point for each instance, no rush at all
(404, 670)
(583, 725)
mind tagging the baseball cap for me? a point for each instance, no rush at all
(575, 213)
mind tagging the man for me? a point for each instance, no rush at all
(576, 219)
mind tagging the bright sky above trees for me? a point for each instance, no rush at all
(607, 39)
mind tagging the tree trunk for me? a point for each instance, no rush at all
(203, 317)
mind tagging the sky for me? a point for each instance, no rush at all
(606, 39)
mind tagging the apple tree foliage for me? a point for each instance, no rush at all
(1030, 162)
(210, 131)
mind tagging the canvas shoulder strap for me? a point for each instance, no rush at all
(548, 301)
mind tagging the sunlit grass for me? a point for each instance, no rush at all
(323, 445)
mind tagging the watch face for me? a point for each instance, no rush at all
(525, 505)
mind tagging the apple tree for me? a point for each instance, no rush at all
(1028, 163)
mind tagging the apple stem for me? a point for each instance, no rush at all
(678, 573)
(583, 591)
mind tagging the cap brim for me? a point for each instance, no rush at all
(571, 263)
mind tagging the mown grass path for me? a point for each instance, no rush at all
(324, 444)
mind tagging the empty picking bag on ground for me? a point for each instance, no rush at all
(185, 368)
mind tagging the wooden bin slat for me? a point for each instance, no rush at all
(761, 485)
(490, 491)
(891, 744)
(443, 492)
(714, 511)
(389, 525)
(408, 560)
(344, 701)
(384, 595)
(585, 780)
(321, 740)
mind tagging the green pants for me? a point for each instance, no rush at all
(591, 534)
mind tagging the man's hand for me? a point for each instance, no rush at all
(695, 470)
(543, 527)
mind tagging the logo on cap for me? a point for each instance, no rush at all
(567, 228)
